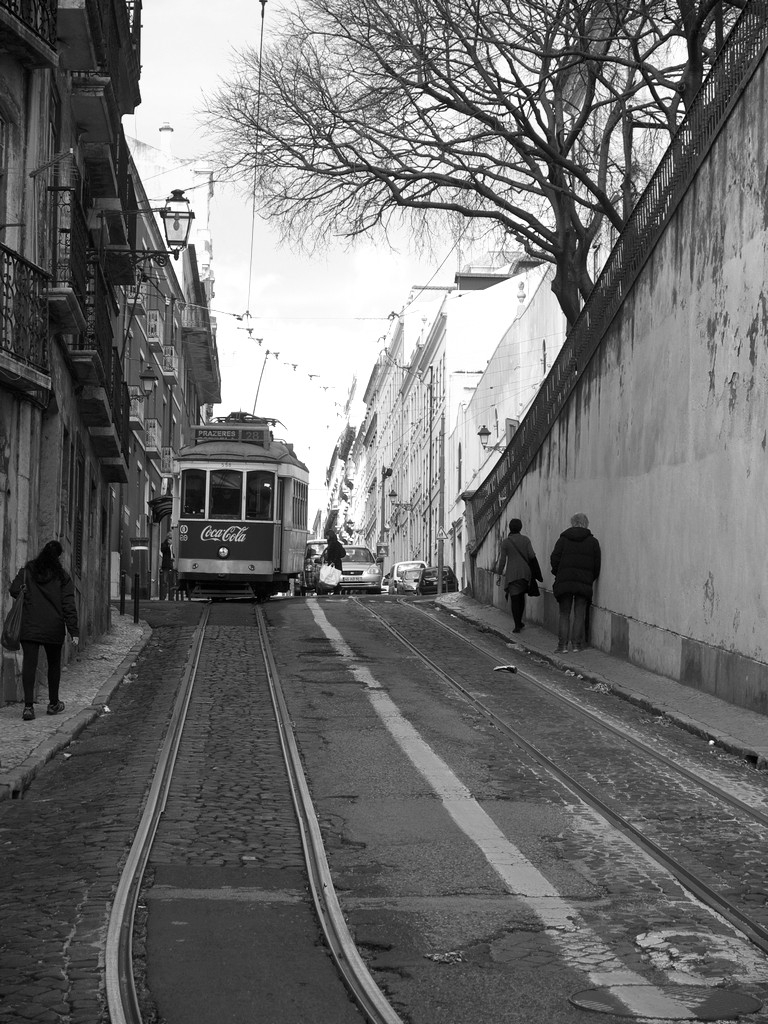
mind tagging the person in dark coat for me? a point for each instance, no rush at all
(519, 565)
(166, 568)
(334, 553)
(575, 562)
(48, 613)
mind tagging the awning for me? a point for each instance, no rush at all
(161, 507)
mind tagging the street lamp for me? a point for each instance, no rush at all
(148, 379)
(177, 220)
(484, 433)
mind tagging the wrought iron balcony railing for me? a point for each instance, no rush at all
(121, 405)
(152, 436)
(23, 314)
(69, 248)
(91, 350)
(37, 16)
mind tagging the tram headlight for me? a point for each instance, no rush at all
(223, 552)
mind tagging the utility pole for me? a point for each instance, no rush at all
(429, 474)
(441, 506)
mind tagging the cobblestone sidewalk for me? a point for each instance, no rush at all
(86, 685)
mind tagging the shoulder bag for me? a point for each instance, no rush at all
(11, 637)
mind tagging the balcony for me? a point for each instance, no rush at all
(91, 350)
(23, 326)
(152, 437)
(167, 455)
(110, 442)
(28, 31)
(68, 287)
(169, 365)
(155, 330)
(105, 38)
(136, 297)
(136, 410)
(94, 107)
(198, 334)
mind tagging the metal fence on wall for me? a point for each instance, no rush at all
(729, 76)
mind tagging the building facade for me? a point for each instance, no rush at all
(71, 237)
(458, 359)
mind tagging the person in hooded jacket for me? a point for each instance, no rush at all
(575, 562)
(48, 613)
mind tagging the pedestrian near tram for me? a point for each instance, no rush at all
(519, 565)
(575, 562)
(48, 612)
(166, 568)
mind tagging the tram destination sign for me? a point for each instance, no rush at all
(228, 432)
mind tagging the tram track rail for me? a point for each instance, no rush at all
(743, 922)
(122, 997)
(350, 964)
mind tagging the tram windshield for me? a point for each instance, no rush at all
(226, 494)
(193, 493)
(259, 492)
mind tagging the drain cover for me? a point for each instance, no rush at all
(685, 1003)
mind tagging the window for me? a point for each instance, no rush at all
(300, 504)
(193, 493)
(226, 494)
(259, 491)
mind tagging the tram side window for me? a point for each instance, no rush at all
(259, 494)
(193, 493)
(226, 494)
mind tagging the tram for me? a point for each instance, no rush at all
(240, 509)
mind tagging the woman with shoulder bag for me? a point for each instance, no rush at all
(518, 562)
(48, 613)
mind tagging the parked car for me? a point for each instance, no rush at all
(408, 581)
(310, 571)
(399, 568)
(385, 584)
(427, 583)
(360, 570)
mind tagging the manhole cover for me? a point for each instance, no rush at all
(654, 1004)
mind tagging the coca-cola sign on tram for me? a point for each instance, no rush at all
(251, 542)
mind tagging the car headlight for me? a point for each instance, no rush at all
(223, 552)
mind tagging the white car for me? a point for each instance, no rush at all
(408, 582)
(397, 571)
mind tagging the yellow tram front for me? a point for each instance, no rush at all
(242, 512)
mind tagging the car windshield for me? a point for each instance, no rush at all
(358, 555)
(411, 574)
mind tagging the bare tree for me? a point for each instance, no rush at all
(537, 118)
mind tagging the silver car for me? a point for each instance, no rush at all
(360, 570)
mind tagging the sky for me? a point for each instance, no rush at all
(326, 315)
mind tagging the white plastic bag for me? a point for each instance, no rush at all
(330, 576)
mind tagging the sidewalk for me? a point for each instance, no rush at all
(87, 683)
(735, 729)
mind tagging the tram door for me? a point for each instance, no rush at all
(277, 554)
